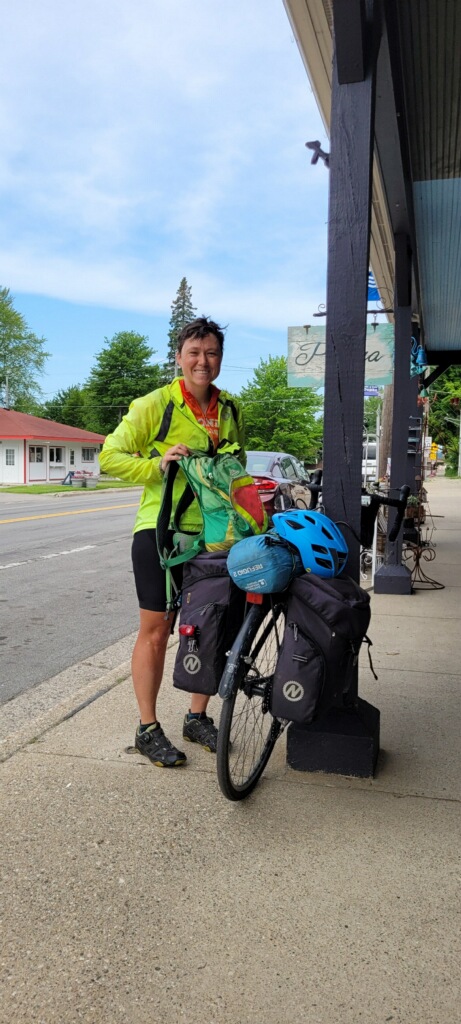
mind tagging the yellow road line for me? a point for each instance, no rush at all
(74, 512)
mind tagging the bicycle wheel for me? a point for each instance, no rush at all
(247, 731)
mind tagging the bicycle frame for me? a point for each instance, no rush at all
(236, 653)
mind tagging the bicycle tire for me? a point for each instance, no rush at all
(247, 731)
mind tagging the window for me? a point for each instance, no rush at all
(56, 455)
(288, 469)
(35, 453)
(9, 456)
(88, 454)
(72, 457)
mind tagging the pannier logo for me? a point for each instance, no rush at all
(192, 664)
(244, 572)
(293, 690)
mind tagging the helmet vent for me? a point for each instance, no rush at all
(295, 525)
(318, 540)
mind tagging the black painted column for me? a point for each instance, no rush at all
(393, 577)
(346, 741)
(352, 114)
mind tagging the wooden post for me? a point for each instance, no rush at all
(352, 118)
(393, 577)
(346, 741)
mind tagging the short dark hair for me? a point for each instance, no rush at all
(199, 328)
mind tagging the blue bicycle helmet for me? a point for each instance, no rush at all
(320, 543)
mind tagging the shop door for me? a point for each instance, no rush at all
(9, 463)
(37, 463)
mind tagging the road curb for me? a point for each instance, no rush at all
(17, 729)
(42, 723)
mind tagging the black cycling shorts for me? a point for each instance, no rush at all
(148, 573)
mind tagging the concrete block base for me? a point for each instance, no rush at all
(392, 579)
(345, 741)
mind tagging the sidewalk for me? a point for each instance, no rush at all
(137, 896)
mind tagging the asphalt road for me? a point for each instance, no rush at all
(66, 584)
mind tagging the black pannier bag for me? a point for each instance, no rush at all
(326, 624)
(212, 611)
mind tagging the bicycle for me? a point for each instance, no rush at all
(248, 731)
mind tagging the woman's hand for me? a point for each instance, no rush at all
(172, 455)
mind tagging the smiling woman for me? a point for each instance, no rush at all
(189, 413)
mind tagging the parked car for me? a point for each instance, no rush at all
(369, 460)
(281, 479)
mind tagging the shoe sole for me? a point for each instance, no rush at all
(202, 745)
(160, 764)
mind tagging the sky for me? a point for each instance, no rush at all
(148, 140)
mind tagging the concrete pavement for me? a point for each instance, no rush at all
(132, 894)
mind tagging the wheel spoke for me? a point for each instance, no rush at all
(250, 730)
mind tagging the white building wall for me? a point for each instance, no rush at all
(46, 461)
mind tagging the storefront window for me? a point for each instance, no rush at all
(35, 453)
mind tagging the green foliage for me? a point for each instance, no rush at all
(280, 418)
(443, 415)
(182, 312)
(122, 372)
(22, 358)
(70, 405)
(370, 413)
(452, 457)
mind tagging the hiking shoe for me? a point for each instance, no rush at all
(201, 730)
(154, 744)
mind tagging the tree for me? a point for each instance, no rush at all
(444, 415)
(280, 418)
(370, 413)
(443, 407)
(70, 405)
(182, 312)
(122, 372)
(22, 358)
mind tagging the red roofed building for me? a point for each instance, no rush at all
(34, 450)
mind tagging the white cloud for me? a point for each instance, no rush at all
(146, 140)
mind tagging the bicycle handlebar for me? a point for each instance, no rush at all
(400, 504)
(315, 486)
(376, 499)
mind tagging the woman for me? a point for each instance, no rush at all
(189, 413)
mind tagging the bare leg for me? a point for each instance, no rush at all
(148, 662)
(198, 702)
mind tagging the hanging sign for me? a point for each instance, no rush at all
(306, 356)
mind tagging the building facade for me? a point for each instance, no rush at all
(35, 450)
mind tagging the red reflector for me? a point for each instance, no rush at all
(254, 598)
(187, 630)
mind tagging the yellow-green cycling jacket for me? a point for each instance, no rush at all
(154, 424)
